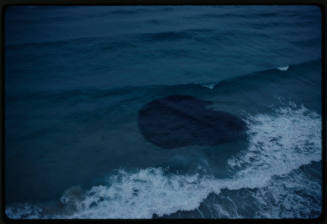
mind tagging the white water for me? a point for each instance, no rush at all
(283, 68)
(278, 145)
(209, 85)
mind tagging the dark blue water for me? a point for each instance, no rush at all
(76, 78)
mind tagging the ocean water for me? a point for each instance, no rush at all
(77, 76)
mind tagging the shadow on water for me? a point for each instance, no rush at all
(178, 121)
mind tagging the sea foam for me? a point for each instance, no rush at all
(279, 144)
(283, 68)
(209, 85)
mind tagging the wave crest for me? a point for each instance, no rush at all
(279, 144)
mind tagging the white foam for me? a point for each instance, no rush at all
(283, 68)
(144, 193)
(289, 196)
(24, 211)
(278, 144)
(209, 85)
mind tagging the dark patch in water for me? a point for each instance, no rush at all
(177, 121)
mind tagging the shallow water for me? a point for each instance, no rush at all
(76, 78)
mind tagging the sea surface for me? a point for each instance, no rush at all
(77, 76)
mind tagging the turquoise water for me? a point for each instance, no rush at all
(76, 78)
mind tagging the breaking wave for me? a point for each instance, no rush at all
(279, 145)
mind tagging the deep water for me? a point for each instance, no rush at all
(76, 78)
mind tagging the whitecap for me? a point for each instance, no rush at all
(209, 85)
(279, 143)
(283, 68)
